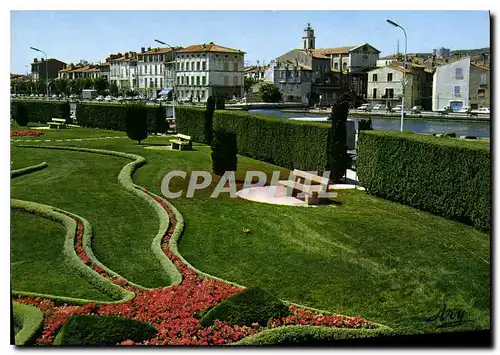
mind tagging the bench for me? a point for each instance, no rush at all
(181, 142)
(309, 186)
(57, 123)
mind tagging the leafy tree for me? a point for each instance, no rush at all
(249, 82)
(136, 122)
(61, 86)
(270, 93)
(100, 85)
(113, 89)
(88, 83)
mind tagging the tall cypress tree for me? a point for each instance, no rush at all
(339, 159)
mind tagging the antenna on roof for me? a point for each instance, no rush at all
(397, 48)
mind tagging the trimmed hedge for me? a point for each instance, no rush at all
(192, 121)
(113, 116)
(310, 335)
(102, 330)
(41, 111)
(287, 143)
(252, 305)
(27, 170)
(447, 177)
(30, 320)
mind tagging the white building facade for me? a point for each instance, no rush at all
(207, 70)
(155, 69)
(123, 71)
(460, 84)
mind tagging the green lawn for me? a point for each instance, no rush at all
(366, 256)
(86, 184)
(37, 260)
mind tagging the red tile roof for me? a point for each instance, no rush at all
(336, 50)
(158, 50)
(210, 47)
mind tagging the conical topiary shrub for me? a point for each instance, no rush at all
(224, 152)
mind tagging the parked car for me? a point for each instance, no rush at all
(365, 107)
(482, 110)
(100, 98)
(465, 109)
(397, 108)
(378, 107)
(416, 109)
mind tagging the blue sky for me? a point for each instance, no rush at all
(263, 35)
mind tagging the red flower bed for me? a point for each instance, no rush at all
(175, 311)
(25, 132)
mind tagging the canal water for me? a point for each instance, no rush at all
(421, 125)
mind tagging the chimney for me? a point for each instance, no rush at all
(126, 55)
(35, 60)
(143, 49)
(149, 48)
(43, 59)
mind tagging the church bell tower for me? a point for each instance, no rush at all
(308, 39)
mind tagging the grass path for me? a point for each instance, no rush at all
(86, 184)
(37, 260)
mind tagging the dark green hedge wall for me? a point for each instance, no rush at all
(112, 116)
(191, 121)
(444, 176)
(42, 111)
(287, 143)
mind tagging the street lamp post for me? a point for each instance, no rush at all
(46, 69)
(404, 72)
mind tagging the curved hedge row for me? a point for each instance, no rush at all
(445, 176)
(310, 335)
(27, 170)
(31, 319)
(114, 291)
(126, 181)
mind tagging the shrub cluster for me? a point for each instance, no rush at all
(287, 143)
(447, 177)
(102, 330)
(39, 111)
(253, 305)
(113, 116)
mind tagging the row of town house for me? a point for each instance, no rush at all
(308, 75)
(196, 72)
(318, 76)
